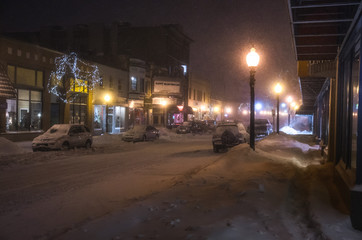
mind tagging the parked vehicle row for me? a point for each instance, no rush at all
(196, 127)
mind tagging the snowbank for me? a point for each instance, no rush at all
(292, 131)
(8, 147)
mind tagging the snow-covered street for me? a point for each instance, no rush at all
(172, 188)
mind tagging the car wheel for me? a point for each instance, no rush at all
(65, 146)
(88, 144)
(215, 148)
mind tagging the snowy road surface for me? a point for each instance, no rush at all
(174, 188)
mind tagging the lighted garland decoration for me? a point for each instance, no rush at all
(85, 75)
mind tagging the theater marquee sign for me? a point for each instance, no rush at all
(167, 86)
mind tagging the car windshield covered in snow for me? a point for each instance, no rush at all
(221, 129)
(138, 128)
(58, 129)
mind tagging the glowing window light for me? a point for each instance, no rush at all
(228, 110)
(216, 109)
(245, 112)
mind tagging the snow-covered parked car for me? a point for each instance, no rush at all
(243, 131)
(226, 135)
(184, 127)
(63, 136)
(263, 127)
(141, 133)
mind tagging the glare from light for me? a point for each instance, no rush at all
(163, 103)
(252, 58)
(258, 106)
(293, 104)
(216, 109)
(39, 115)
(283, 105)
(203, 108)
(131, 105)
(289, 99)
(107, 98)
(228, 110)
(245, 112)
(278, 88)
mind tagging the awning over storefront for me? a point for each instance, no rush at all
(7, 91)
(319, 27)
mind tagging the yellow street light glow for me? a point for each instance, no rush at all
(245, 112)
(293, 104)
(131, 105)
(203, 108)
(216, 109)
(296, 107)
(228, 110)
(107, 98)
(163, 103)
(278, 88)
(289, 99)
(252, 59)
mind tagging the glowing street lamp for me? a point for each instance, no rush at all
(252, 59)
(107, 98)
(228, 110)
(278, 89)
(164, 104)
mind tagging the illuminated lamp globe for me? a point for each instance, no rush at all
(107, 98)
(252, 59)
(278, 88)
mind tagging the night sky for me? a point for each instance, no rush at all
(223, 32)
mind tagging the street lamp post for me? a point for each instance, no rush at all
(252, 60)
(278, 89)
(164, 103)
(107, 98)
(289, 101)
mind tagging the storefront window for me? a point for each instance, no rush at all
(11, 115)
(25, 76)
(119, 116)
(28, 111)
(78, 110)
(355, 85)
(99, 113)
(11, 73)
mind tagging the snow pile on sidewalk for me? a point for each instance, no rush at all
(8, 147)
(283, 148)
(292, 131)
